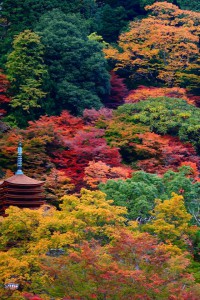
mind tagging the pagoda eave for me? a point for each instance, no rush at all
(24, 205)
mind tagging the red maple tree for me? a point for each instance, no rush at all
(4, 99)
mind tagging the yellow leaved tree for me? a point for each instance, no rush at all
(170, 223)
(27, 236)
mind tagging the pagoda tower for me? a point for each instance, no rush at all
(20, 190)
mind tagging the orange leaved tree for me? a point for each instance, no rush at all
(99, 172)
(162, 48)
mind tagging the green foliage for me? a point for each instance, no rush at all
(26, 72)
(166, 116)
(196, 243)
(181, 183)
(76, 64)
(24, 14)
(110, 21)
(139, 192)
(98, 38)
(112, 17)
(124, 135)
(132, 8)
(189, 5)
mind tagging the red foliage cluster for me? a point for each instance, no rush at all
(194, 99)
(118, 91)
(4, 99)
(39, 140)
(71, 145)
(91, 116)
(64, 125)
(144, 93)
(194, 169)
(116, 271)
(99, 172)
(164, 152)
(29, 296)
(84, 147)
(63, 142)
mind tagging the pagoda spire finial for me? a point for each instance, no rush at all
(19, 159)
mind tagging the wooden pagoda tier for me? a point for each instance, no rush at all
(21, 191)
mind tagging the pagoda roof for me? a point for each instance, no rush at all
(35, 203)
(25, 197)
(21, 179)
(22, 189)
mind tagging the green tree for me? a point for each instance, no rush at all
(26, 72)
(132, 8)
(181, 183)
(24, 14)
(77, 66)
(110, 21)
(166, 116)
(139, 192)
(189, 5)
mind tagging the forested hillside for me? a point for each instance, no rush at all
(105, 98)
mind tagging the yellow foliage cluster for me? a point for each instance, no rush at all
(27, 235)
(171, 223)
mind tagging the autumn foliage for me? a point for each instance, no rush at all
(62, 142)
(164, 152)
(162, 47)
(4, 99)
(144, 92)
(121, 168)
(99, 251)
(99, 172)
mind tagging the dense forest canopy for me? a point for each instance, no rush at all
(105, 98)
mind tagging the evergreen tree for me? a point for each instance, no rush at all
(110, 21)
(24, 14)
(77, 66)
(17, 16)
(26, 72)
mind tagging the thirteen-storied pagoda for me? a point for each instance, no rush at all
(20, 190)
